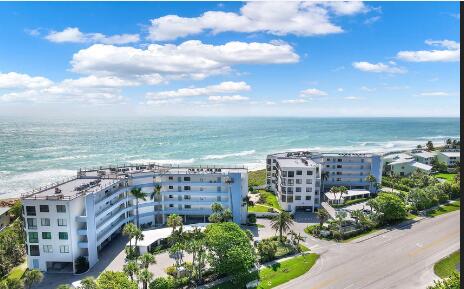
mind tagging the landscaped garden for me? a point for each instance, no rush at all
(446, 176)
(267, 202)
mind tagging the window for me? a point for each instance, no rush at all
(171, 205)
(298, 189)
(171, 196)
(284, 173)
(298, 181)
(297, 198)
(30, 210)
(187, 197)
(308, 198)
(33, 237)
(34, 250)
(44, 209)
(45, 222)
(309, 173)
(309, 189)
(309, 181)
(299, 173)
(339, 160)
(171, 187)
(187, 179)
(170, 178)
(64, 249)
(63, 235)
(291, 174)
(31, 223)
(46, 235)
(61, 208)
(339, 166)
(316, 200)
(47, 248)
(188, 206)
(186, 188)
(290, 199)
(62, 222)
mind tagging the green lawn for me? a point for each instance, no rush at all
(270, 199)
(453, 206)
(257, 178)
(446, 176)
(279, 273)
(17, 272)
(445, 267)
(258, 209)
(361, 235)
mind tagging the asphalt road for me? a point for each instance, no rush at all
(401, 258)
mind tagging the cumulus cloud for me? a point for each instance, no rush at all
(227, 98)
(310, 92)
(74, 35)
(192, 58)
(277, 18)
(450, 53)
(221, 88)
(378, 67)
(89, 89)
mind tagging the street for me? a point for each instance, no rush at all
(401, 258)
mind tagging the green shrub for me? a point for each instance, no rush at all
(251, 218)
(162, 283)
(267, 250)
(171, 270)
(81, 264)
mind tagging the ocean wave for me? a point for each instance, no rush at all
(163, 162)
(440, 137)
(220, 157)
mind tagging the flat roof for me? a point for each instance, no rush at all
(349, 193)
(421, 166)
(296, 163)
(451, 154)
(151, 236)
(425, 154)
(398, 156)
(73, 187)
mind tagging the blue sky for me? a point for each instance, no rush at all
(230, 58)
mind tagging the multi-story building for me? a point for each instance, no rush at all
(424, 157)
(450, 158)
(335, 169)
(78, 217)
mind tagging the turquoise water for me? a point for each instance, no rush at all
(36, 152)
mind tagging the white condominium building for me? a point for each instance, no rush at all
(78, 217)
(333, 169)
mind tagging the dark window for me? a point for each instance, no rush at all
(291, 174)
(170, 178)
(44, 209)
(34, 250)
(297, 198)
(308, 198)
(299, 173)
(188, 206)
(187, 197)
(171, 205)
(46, 235)
(298, 189)
(186, 188)
(63, 235)
(309, 173)
(30, 210)
(31, 223)
(61, 208)
(45, 222)
(171, 187)
(33, 237)
(187, 179)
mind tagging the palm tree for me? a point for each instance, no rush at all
(138, 236)
(88, 283)
(174, 221)
(196, 245)
(297, 238)
(324, 177)
(156, 192)
(281, 223)
(147, 259)
(145, 276)
(138, 195)
(129, 231)
(371, 180)
(323, 216)
(342, 190)
(131, 269)
(334, 190)
(32, 277)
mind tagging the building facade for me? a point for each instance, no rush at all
(78, 217)
(450, 158)
(331, 169)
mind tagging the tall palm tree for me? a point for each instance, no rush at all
(342, 190)
(156, 192)
(323, 216)
(281, 223)
(88, 283)
(371, 180)
(138, 195)
(32, 277)
(138, 236)
(145, 277)
(147, 259)
(174, 221)
(131, 269)
(297, 238)
(129, 231)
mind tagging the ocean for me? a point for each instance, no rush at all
(35, 152)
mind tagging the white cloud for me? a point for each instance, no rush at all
(295, 101)
(227, 98)
(371, 20)
(378, 67)
(223, 87)
(312, 92)
(74, 35)
(18, 80)
(434, 93)
(352, 97)
(368, 89)
(278, 18)
(451, 53)
(340, 89)
(192, 58)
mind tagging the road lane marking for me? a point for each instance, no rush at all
(432, 244)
